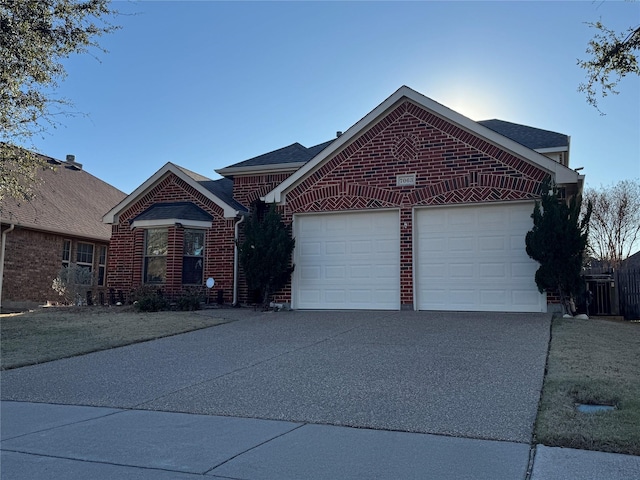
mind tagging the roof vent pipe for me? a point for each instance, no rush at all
(338, 134)
(72, 164)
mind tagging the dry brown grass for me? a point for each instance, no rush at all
(51, 333)
(592, 362)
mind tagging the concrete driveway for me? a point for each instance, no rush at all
(468, 375)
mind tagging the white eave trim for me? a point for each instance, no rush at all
(167, 222)
(112, 215)
(260, 169)
(552, 150)
(562, 174)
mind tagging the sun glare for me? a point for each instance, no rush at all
(474, 100)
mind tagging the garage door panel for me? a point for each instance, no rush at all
(463, 220)
(463, 297)
(310, 249)
(309, 295)
(388, 247)
(493, 218)
(492, 270)
(335, 272)
(335, 248)
(474, 258)
(332, 296)
(494, 298)
(360, 271)
(521, 271)
(386, 272)
(525, 297)
(462, 270)
(491, 243)
(462, 244)
(356, 266)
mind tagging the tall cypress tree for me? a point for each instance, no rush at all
(265, 253)
(558, 242)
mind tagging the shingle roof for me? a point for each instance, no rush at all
(221, 188)
(530, 137)
(294, 153)
(181, 210)
(68, 200)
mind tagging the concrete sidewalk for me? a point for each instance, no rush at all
(46, 441)
(54, 441)
(349, 395)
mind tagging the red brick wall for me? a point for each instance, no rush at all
(33, 259)
(451, 166)
(127, 246)
(249, 188)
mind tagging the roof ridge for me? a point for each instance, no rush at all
(194, 175)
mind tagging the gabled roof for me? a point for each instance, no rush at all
(68, 200)
(221, 188)
(169, 213)
(562, 174)
(179, 210)
(287, 158)
(530, 137)
(218, 191)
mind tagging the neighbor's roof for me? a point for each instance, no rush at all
(530, 137)
(68, 201)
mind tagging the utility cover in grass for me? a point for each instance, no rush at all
(587, 408)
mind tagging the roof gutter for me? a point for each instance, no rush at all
(4, 241)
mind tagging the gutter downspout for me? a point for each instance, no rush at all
(4, 241)
(235, 263)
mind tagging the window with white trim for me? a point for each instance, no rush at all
(156, 247)
(102, 265)
(193, 257)
(84, 256)
(66, 253)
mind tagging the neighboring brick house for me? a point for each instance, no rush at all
(413, 207)
(62, 224)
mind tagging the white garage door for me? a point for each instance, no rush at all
(347, 261)
(473, 258)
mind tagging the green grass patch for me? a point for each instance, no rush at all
(58, 332)
(592, 362)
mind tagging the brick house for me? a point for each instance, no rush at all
(62, 224)
(413, 207)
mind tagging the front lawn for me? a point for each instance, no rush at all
(51, 333)
(592, 362)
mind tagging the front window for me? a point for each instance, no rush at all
(193, 256)
(155, 259)
(102, 265)
(66, 253)
(84, 257)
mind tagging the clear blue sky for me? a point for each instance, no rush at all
(209, 84)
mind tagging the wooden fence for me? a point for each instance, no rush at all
(628, 287)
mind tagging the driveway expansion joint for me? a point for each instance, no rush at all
(254, 447)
